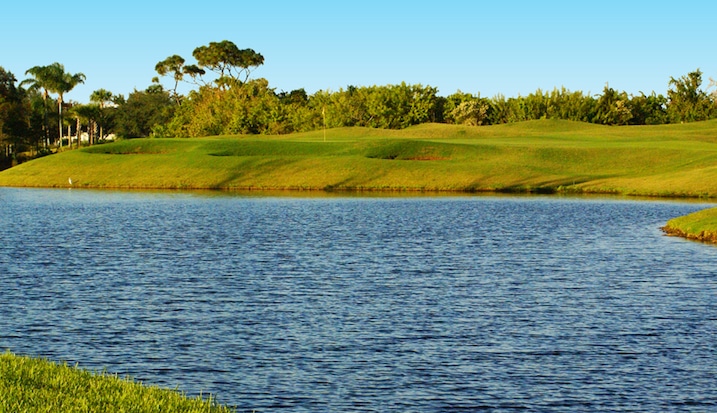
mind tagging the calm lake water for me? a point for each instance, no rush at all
(367, 303)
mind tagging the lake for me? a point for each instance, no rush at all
(367, 303)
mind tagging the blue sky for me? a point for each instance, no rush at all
(508, 47)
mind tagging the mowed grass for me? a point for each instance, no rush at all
(36, 385)
(700, 225)
(545, 156)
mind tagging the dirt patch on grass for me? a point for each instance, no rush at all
(426, 158)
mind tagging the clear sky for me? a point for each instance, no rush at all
(503, 46)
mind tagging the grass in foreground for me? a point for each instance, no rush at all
(700, 226)
(35, 385)
(535, 156)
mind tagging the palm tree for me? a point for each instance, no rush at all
(101, 97)
(43, 78)
(89, 114)
(53, 79)
(65, 82)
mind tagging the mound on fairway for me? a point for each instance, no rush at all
(543, 156)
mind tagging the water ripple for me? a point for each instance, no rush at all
(367, 304)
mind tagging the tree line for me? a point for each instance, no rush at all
(224, 99)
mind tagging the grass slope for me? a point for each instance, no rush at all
(35, 385)
(546, 155)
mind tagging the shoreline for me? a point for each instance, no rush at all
(705, 236)
(331, 189)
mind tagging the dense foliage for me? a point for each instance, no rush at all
(253, 107)
(225, 100)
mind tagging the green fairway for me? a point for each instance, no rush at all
(545, 155)
(35, 385)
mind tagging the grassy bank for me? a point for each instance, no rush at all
(35, 385)
(700, 226)
(547, 156)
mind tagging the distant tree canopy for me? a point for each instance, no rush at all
(687, 102)
(14, 113)
(237, 105)
(143, 111)
(224, 99)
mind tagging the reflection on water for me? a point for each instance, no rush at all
(366, 303)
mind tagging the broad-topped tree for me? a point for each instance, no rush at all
(175, 66)
(226, 59)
